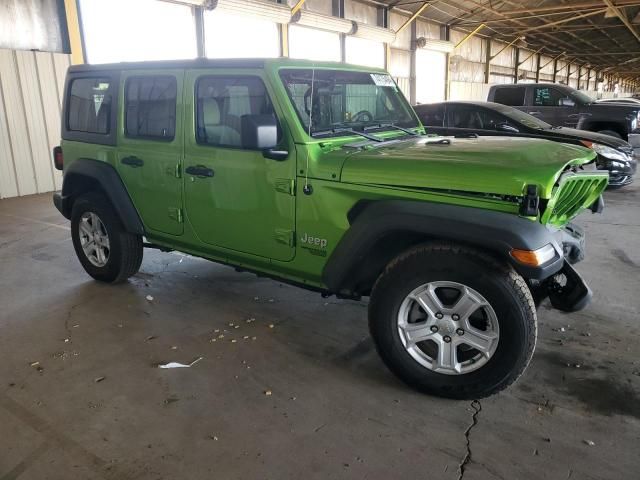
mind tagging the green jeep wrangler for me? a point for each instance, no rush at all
(321, 175)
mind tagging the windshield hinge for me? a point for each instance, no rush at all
(284, 236)
(176, 214)
(286, 185)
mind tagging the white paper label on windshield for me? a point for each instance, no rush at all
(382, 80)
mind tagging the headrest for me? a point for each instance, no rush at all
(210, 111)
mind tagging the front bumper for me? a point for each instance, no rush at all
(566, 289)
(634, 140)
(621, 172)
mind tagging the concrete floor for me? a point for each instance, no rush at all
(334, 411)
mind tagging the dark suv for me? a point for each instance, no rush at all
(563, 106)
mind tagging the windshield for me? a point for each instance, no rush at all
(521, 117)
(346, 100)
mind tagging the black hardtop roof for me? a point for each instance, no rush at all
(161, 64)
(212, 63)
(544, 84)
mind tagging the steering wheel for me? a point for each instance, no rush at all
(363, 116)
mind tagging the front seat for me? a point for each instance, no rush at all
(215, 131)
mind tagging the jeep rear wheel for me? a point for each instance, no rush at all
(452, 321)
(106, 251)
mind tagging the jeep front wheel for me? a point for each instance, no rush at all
(453, 321)
(106, 251)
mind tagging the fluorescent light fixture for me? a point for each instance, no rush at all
(435, 45)
(320, 21)
(269, 11)
(208, 4)
(374, 33)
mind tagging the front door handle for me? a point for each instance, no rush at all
(534, 113)
(199, 171)
(132, 161)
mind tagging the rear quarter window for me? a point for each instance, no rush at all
(512, 96)
(90, 107)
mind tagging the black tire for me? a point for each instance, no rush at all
(125, 252)
(611, 133)
(506, 292)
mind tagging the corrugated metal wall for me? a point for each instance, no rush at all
(31, 85)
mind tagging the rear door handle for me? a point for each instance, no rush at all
(132, 161)
(199, 171)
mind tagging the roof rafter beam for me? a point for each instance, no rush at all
(623, 18)
(573, 6)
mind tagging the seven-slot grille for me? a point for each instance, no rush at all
(574, 193)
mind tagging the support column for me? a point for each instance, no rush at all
(538, 68)
(412, 71)
(283, 34)
(487, 62)
(517, 69)
(383, 21)
(198, 17)
(337, 10)
(445, 34)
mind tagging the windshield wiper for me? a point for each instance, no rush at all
(391, 125)
(346, 130)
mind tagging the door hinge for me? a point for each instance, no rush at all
(178, 171)
(284, 236)
(176, 214)
(286, 185)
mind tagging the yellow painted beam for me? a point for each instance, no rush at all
(297, 6)
(75, 35)
(505, 47)
(526, 59)
(284, 40)
(413, 17)
(478, 28)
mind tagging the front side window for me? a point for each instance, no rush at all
(547, 97)
(221, 102)
(150, 110)
(89, 108)
(476, 119)
(431, 115)
(341, 99)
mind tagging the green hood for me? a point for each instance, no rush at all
(497, 165)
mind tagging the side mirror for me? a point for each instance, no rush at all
(258, 132)
(505, 127)
(567, 102)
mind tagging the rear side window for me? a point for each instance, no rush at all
(89, 107)
(512, 96)
(431, 115)
(150, 109)
(221, 102)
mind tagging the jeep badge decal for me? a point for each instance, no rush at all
(316, 241)
(315, 245)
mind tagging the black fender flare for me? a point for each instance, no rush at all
(87, 170)
(489, 230)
